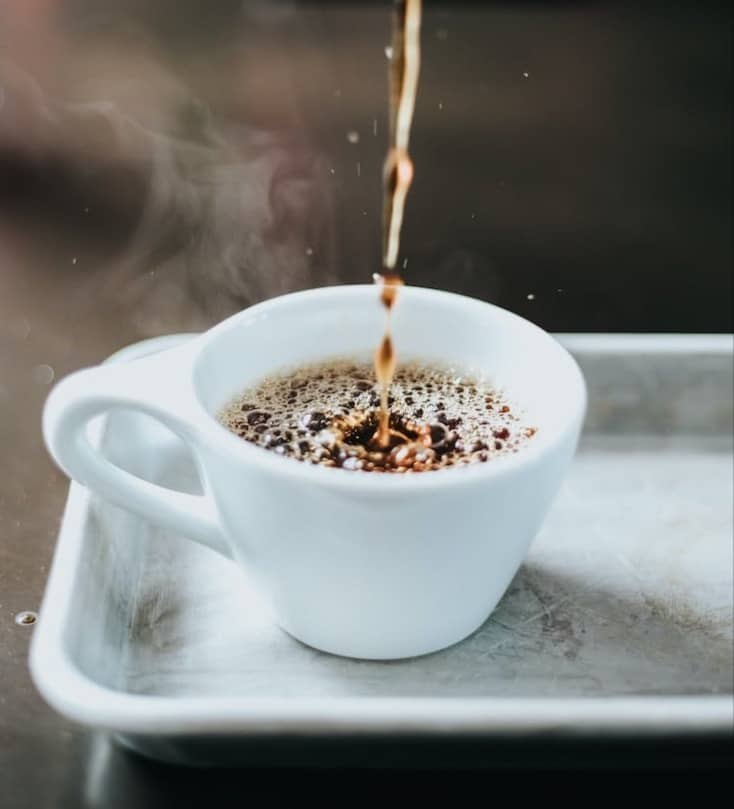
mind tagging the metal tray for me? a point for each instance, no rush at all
(619, 621)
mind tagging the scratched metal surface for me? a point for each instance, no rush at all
(627, 589)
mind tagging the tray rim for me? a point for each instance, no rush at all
(67, 689)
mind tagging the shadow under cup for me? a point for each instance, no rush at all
(386, 566)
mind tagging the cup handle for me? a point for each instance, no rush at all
(137, 386)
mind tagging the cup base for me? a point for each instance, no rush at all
(360, 651)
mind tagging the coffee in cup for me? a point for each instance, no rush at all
(328, 414)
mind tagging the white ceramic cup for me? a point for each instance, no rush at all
(357, 564)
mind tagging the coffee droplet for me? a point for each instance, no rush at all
(390, 284)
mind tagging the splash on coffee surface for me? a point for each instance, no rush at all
(328, 414)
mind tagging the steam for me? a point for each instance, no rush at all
(226, 215)
(247, 222)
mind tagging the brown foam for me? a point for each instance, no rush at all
(328, 414)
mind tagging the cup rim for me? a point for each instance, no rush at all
(217, 436)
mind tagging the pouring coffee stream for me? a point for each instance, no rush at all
(397, 177)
